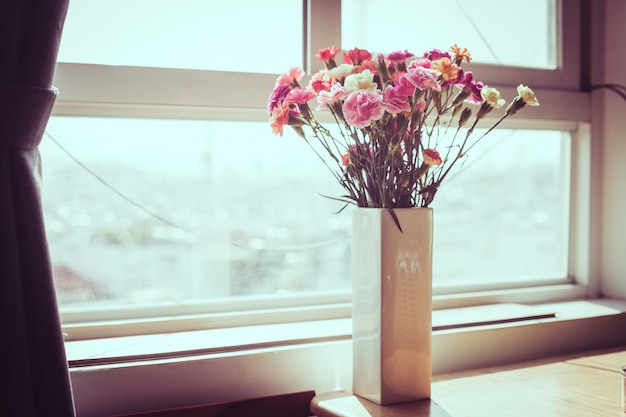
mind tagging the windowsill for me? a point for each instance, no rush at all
(189, 368)
(237, 339)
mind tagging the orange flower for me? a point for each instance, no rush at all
(448, 69)
(279, 118)
(460, 54)
(431, 157)
(321, 81)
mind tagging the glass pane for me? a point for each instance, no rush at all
(192, 34)
(169, 210)
(517, 33)
(504, 217)
(248, 217)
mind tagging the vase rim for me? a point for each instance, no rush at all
(386, 208)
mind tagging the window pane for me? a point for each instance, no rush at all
(504, 217)
(192, 34)
(517, 33)
(225, 209)
(250, 219)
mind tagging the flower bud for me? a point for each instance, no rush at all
(465, 115)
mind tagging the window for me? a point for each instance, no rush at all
(166, 193)
(484, 25)
(191, 34)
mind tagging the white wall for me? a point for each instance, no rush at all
(613, 151)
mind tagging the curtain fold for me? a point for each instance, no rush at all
(33, 366)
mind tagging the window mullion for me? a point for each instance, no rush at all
(324, 29)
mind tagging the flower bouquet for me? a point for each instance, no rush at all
(403, 121)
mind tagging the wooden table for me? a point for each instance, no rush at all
(581, 385)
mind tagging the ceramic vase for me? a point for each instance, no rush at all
(392, 304)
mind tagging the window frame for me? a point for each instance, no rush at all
(85, 90)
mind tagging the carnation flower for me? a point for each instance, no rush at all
(431, 157)
(294, 75)
(423, 78)
(356, 56)
(362, 107)
(337, 93)
(525, 96)
(393, 116)
(360, 81)
(300, 95)
(396, 100)
(321, 81)
(492, 97)
(399, 56)
(340, 72)
(327, 54)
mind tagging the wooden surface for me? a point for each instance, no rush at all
(574, 386)
(347, 405)
(583, 385)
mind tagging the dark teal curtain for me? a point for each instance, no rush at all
(33, 367)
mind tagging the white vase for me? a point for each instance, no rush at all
(392, 304)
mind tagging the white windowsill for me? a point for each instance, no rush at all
(237, 339)
(189, 368)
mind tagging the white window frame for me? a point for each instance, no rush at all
(86, 90)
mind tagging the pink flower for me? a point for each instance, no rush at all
(294, 74)
(420, 62)
(362, 107)
(345, 158)
(300, 96)
(279, 118)
(395, 100)
(423, 78)
(405, 84)
(321, 81)
(337, 93)
(367, 65)
(431, 157)
(353, 154)
(327, 54)
(277, 97)
(399, 56)
(356, 56)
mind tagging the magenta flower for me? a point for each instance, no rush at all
(468, 85)
(395, 100)
(423, 78)
(277, 97)
(436, 54)
(300, 96)
(399, 56)
(362, 107)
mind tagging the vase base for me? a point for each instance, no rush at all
(345, 404)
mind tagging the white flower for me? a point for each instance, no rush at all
(527, 95)
(492, 97)
(340, 72)
(360, 81)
